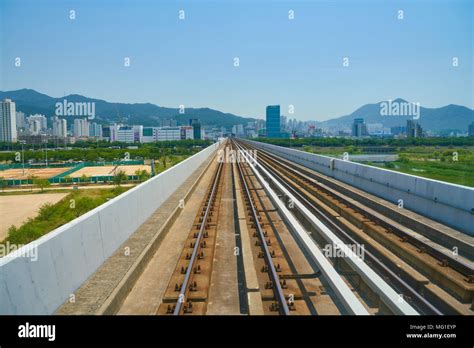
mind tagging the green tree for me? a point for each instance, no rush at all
(83, 205)
(119, 177)
(46, 211)
(84, 178)
(403, 158)
(41, 183)
(142, 175)
(67, 179)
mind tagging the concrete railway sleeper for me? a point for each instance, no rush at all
(282, 305)
(188, 289)
(341, 293)
(424, 291)
(444, 255)
(370, 277)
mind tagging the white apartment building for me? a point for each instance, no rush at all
(20, 120)
(8, 121)
(36, 124)
(81, 128)
(238, 130)
(95, 130)
(59, 127)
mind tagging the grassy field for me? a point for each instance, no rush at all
(450, 164)
(75, 204)
(170, 161)
(51, 216)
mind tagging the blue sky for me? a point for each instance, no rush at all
(282, 61)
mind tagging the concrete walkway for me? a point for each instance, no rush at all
(91, 296)
(224, 292)
(148, 291)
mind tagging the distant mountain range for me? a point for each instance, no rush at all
(450, 117)
(446, 118)
(30, 101)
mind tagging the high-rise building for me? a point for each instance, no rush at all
(59, 127)
(196, 128)
(470, 130)
(20, 120)
(398, 130)
(81, 127)
(34, 126)
(359, 128)
(283, 123)
(238, 130)
(8, 121)
(43, 123)
(95, 130)
(414, 130)
(63, 127)
(259, 125)
(106, 132)
(273, 121)
(37, 124)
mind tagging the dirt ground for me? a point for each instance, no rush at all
(15, 210)
(109, 170)
(42, 173)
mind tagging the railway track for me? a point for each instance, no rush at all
(285, 218)
(283, 303)
(303, 292)
(188, 289)
(283, 288)
(441, 251)
(424, 273)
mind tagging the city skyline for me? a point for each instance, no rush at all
(295, 62)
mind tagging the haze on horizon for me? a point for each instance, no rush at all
(281, 61)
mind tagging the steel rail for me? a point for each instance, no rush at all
(342, 290)
(459, 265)
(187, 277)
(386, 293)
(280, 296)
(423, 303)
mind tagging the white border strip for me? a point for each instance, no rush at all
(389, 296)
(343, 292)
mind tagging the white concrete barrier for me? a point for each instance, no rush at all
(69, 255)
(447, 203)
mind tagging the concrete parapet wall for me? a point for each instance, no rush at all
(67, 256)
(450, 204)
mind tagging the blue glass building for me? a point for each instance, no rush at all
(273, 121)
